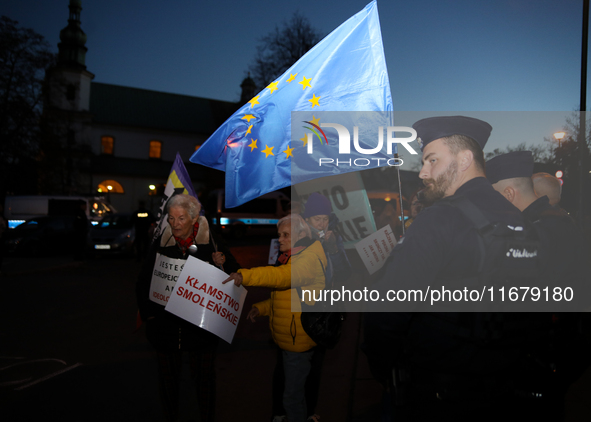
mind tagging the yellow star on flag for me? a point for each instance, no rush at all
(314, 100)
(254, 101)
(268, 151)
(273, 87)
(288, 152)
(248, 117)
(291, 78)
(315, 120)
(253, 144)
(305, 82)
(305, 139)
(248, 130)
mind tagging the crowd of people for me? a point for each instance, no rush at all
(461, 231)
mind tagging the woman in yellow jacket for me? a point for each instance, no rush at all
(302, 264)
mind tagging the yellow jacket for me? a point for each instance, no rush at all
(304, 269)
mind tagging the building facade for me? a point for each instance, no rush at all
(118, 141)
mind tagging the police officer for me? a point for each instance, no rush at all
(561, 252)
(450, 370)
(561, 261)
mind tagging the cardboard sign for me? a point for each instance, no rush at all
(349, 202)
(200, 298)
(376, 248)
(164, 276)
(273, 251)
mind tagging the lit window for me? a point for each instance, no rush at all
(110, 186)
(107, 145)
(155, 149)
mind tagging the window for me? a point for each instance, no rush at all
(107, 145)
(110, 186)
(155, 149)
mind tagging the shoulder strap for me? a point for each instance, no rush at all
(478, 219)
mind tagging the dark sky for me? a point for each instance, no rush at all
(442, 55)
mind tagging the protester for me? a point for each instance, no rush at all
(142, 221)
(301, 265)
(548, 185)
(175, 339)
(323, 225)
(416, 206)
(456, 371)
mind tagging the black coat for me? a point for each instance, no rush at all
(165, 331)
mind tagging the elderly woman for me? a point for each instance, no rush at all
(187, 234)
(301, 264)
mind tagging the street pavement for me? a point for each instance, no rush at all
(70, 351)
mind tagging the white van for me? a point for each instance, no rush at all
(18, 209)
(261, 212)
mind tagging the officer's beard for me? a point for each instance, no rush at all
(437, 187)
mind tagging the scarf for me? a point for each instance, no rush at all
(185, 243)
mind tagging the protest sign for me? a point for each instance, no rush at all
(273, 251)
(164, 276)
(376, 248)
(200, 298)
(349, 203)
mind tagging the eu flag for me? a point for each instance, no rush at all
(346, 71)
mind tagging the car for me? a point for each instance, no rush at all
(43, 236)
(114, 234)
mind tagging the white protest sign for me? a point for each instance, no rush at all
(273, 251)
(349, 203)
(376, 248)
(164, 275)
(200, 298)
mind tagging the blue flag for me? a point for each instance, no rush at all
(346, 71)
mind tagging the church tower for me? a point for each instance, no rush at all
(66, 112)
(69, 80)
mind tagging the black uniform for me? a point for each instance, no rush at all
(441, 246)
(561, 240)
(442, 243)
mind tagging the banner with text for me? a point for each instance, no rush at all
(349, 203)
(200, 298)
(376, 248)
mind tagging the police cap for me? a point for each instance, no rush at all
(433, 128)
(510, 165)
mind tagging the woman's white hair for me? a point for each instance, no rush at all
(188, 202)
(297, 224)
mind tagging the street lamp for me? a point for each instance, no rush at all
(559, 136)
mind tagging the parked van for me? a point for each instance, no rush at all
(18, 209)
(264, 211)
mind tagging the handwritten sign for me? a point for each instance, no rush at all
(164, 276)
(200, 298)
(349, 202)
(376, 248)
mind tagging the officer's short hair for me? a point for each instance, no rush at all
(458, 143)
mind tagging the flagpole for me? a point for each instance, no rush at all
(583, 108)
